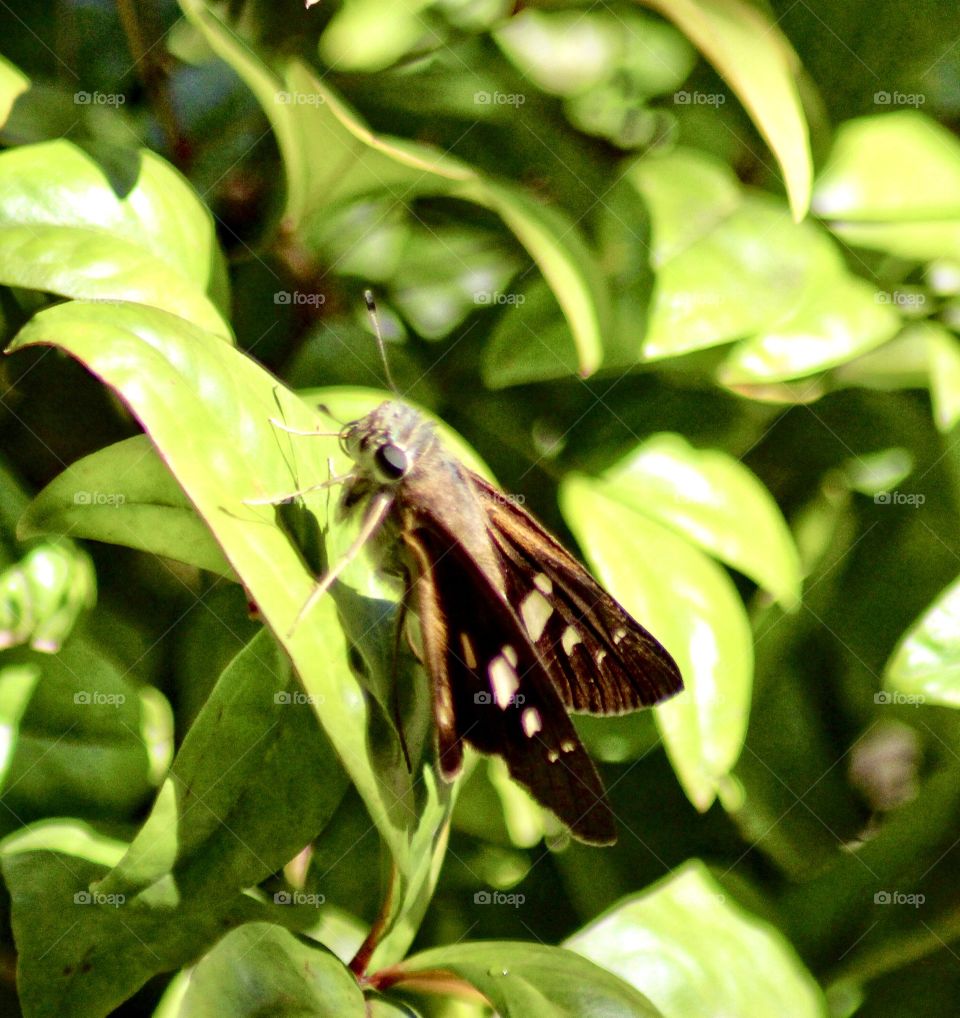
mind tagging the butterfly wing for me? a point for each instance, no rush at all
(491, 687)
(602, 660)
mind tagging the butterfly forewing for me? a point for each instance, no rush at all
(504, 701)
(602, 660)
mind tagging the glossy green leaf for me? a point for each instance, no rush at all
(91, 741)
(17, 684)
(13, 82)
(717, 503)
(131, 229)
(80, 951)
(944, 353)
(918, 241)
(756, 60)
(366, 35)
(694, 951)
(918, 177)
(522, 979)
(331, 157)
(192, 392)
(844, 318)
(687, 193)
(750, 271)
(253, 782)
(692, 607)
(261, 969)
(125, 494)
(925, 667)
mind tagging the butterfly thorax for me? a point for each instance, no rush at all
(396, 451)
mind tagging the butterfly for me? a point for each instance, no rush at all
(515, 633)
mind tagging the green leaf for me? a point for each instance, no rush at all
(17, 684)
(692, 607)
(756, 60)
(695, 952)
(687, 193)
(944, 353)
(79, 951)
(717, 503)
(331, 157)
(261, 969)
(846, 317)
(91, 742)
(367, 35)
(918, 177)
(191, 391)
(131, 229)
(917, 241)
(125, 494)
(925, 667)
(522, 979)
(13, 82)
(748, 272)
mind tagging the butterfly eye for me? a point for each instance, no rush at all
(391, 461)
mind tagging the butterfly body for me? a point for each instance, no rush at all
(515, 632)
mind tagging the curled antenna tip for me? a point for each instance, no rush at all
(368, 297)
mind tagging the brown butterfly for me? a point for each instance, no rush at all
(515, 632)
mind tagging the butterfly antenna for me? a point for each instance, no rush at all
(375, 321)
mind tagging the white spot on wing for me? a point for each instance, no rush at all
(601, 654)
(568, 745)
(619, 635)
(469, 657)
(535, 610)
(543, 583)
(504, 681)
(569, 640)
(531, 721)
(510, 654)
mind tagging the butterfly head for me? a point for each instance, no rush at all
(387, 443)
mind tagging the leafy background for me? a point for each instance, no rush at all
(682, 277)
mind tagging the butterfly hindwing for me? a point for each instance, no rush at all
(602, 661)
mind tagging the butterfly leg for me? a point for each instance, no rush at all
(377, 512)
(395, 685)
